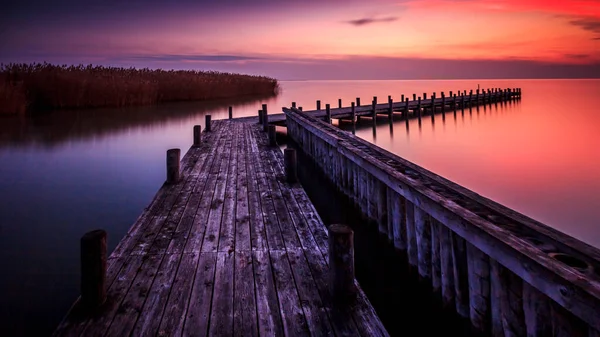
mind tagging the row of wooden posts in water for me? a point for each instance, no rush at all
(508, 274)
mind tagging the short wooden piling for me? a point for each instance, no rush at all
(390, 107)
(419, 109)
(265, 118)
(197, 135)
(290, 165)
(328, 113)
(402, 98)
(293, 104)
(341, 262)
(374, 108)
(443, 102)
(207, 123)
(318, 104)
(406, 111)
(230, 112)
(260, 117)
(353, 113)
(272, 135)
(414, 97)
(339, 103)
(93, 268)
(173, 159)
(357, 101)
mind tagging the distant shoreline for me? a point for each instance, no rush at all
(37, 87)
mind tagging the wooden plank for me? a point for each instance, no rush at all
(411, 235)
(244, 300)
(242, 213)
(423, 236)
(197, 315)
(479, 289)
(436, 265)
(294, 321)
(213, 226)
(129, 310)
(460, 272)
(312, 305)
(269, 316)
(288, 232)
(177, 305)
(257, 222)
(153, 309)
(221, 318)
(537, 312)
(508, 290)
(198, 230)
(447, 266)
(272, 230)
(227, 232)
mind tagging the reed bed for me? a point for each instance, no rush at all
(43, 86)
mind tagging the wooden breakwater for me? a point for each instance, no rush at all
(230, 245)
(508, 274)
(417, 107)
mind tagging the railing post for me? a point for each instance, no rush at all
(339, 103)
(353, 112)
(374, 108)
(93, 268)
(357, 101)
(341, 262)
(402, 98)
(390, 107)
(272, 135)
(328, 113)
(318, 104)
(414, 97)
(290, 164)
(207, 125)
(173, 159)
(197, 135)
(265, 118)
(293, 104)
(260, 116)
(230, 112)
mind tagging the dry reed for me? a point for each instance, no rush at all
(46, 86)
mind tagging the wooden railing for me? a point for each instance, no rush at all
(509, 274)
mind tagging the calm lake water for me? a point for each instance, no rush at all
(66, 173)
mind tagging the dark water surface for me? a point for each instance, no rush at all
(65, 173)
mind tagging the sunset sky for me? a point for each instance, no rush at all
(309, 39)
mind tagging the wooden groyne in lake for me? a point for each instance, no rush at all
(230, 245)
(508, 274)
(418, 107)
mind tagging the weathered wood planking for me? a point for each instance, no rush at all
(230, 249)
(507, 273)
(388, 108)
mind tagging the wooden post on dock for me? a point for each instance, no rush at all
(197, 135)
(318, 104)
(341, 262)
(230, 112)
(173, 159)
(406, 111)
(433, 104)
(293, 104)
(328, 113)
(443, 103)
(272, 135)
(414, 97)
(402, 99)
(207, 123)
(93, 268)
(470, 98)
(419, 109)
(374, 108)
(357, 101)
(353, 113)
(339, 103)
(290, 165)
(260, 116)
(454, 104)
(265, 118)
(390, 108)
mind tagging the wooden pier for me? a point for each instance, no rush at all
(230, 245)
(418, 107)
(508, 274)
